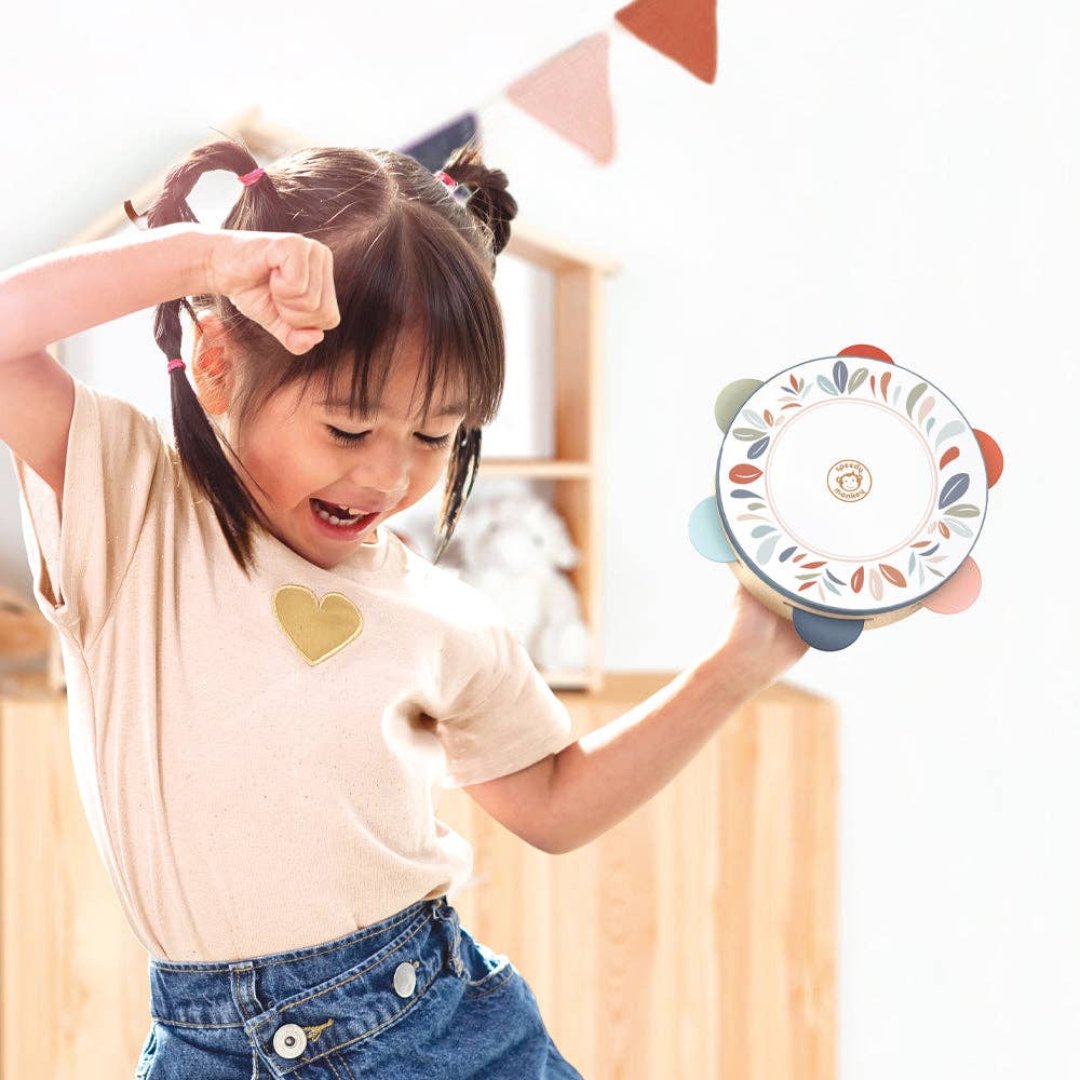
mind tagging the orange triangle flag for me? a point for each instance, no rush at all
(684, 30)
(571, 94)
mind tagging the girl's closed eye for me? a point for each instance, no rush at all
(349, 438)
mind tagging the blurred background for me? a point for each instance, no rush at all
(900, 175)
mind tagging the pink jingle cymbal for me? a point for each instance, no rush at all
(849, 493)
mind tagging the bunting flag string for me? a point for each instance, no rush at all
(570, 93)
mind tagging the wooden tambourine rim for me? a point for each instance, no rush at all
(781, 605)
(755, 580)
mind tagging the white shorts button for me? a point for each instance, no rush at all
(404, 979)
(290, 1040)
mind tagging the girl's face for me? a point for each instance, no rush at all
(291, 448)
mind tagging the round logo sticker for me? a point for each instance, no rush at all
(849, 480)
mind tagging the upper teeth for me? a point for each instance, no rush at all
(352, 511)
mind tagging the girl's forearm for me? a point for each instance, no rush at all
(60, 294)
(608, 773)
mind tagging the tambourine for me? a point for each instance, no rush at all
(849, 493)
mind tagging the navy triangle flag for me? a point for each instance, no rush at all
(433, 149)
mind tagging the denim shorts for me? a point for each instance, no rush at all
(413, 996)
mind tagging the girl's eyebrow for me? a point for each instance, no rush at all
(344, 405)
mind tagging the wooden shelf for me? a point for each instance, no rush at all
(537, 469)
(554, 253)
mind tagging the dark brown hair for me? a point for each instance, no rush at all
(407, 254)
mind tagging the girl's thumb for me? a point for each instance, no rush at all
(304, 339)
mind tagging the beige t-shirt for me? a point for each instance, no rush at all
(260, 774)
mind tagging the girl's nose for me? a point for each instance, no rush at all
(385, 477)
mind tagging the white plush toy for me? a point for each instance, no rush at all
(514, 548)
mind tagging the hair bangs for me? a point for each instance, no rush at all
(414, 286)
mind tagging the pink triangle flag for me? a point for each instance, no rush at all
(571, 94)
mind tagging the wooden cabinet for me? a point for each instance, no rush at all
(74, 990)
(695, 939)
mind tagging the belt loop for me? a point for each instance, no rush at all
(455, 941)
(244, 992)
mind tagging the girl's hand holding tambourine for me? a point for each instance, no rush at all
(757, 646)
(283, 281)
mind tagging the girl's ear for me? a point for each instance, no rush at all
(212, 366)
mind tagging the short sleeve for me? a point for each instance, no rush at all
(80, 551)
(505, 718)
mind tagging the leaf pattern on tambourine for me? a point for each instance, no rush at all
(766, 549)
(745, 474)
(876, 591)
(892, 575)
(953, 427)
(954, 487)
(856, 380)
(913, 397)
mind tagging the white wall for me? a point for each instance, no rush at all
(899, 174)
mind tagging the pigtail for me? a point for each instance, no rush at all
(464, 462)
(197, 442)
(492, 205)
(489, 201)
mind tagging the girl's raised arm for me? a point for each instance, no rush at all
(282, 281)
(58, 295)
(55, 296)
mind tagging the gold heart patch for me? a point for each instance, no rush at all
(318, 628)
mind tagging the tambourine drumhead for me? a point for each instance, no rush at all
(850, 486)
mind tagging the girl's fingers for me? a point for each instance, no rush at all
(315, 306)
(330, 290)
(301, 341)
(293, 260)
(320, 311)
(316, 283)
(292, 294)
(321, 284)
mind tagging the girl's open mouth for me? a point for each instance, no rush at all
(346, 529)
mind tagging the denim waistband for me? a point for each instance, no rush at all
(260, 991)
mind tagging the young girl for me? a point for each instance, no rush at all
(265, 686)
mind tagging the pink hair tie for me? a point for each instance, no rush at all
(177, 363)
(446, 178)
(250, 178)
